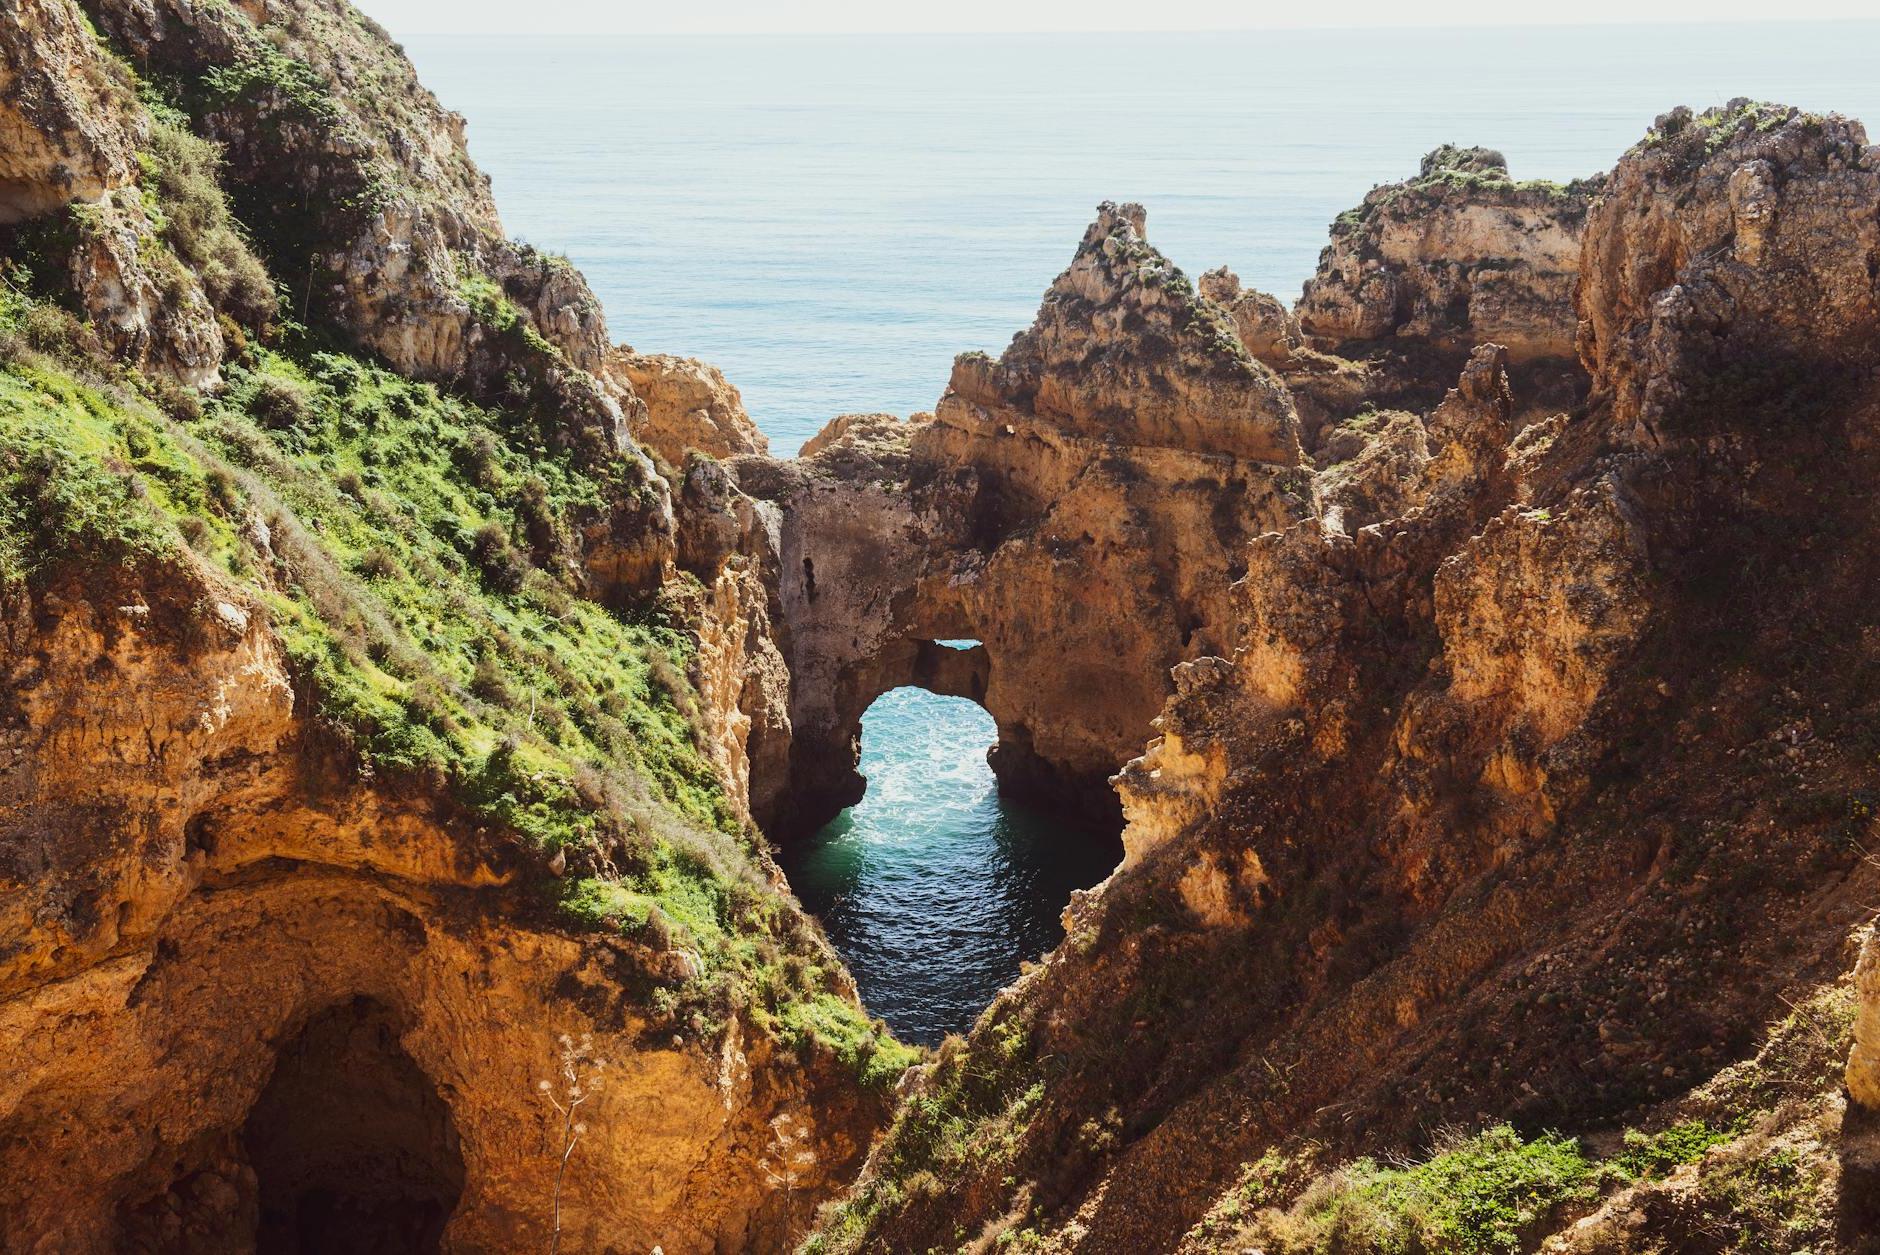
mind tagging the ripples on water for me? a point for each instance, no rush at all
(931, 887)
(832, 219)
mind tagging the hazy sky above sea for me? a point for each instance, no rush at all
(580, 17)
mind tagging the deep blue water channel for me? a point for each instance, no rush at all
(932, 886)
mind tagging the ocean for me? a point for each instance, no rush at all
(831, 220)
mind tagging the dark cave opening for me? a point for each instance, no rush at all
(353, 1149)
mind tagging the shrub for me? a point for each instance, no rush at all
(193, 218)
(1652, 1155)
(280, 404)
(502, 566)
(489, 684)
(1480, 1195)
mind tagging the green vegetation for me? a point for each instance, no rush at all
(1479, 1195)
(1767, 1201)
(1495, 1191)
(58, 495)
(1649, 1156)
(1691, 137)
(263, 71)
(185, 205)
(495, 310)
(416, 555)
(967, 1118)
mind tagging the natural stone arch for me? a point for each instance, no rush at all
(945, 670)
(1081, 506)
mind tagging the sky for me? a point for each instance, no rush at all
(594, 17)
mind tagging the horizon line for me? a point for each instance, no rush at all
(538, 33)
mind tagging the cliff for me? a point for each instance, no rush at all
(372, 787)
(398, 679)
(1504, 878)
(1459, 255)
(1077, 507)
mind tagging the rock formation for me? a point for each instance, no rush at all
(384, 750)
(1459, 255)
(371, 774)
(1518, 715)
(688, 405)
(65, 134)
(1076, 507)
(359, 192)
(194, 888)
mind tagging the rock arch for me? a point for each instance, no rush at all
(1079, 506)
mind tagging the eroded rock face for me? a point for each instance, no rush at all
(1727, 265)
(1457, 256)
(63, 125)
(1267, 329)
(358, 189)
(1124, 349)
(732, 543)
(1078, 507)
(192, 888)
(149, 310)
(1517, 712)
(688, 405)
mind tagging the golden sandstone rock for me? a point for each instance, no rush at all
(1487, 724)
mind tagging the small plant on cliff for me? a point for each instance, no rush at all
(788, 1159)
(181, 189)
(579, 1074)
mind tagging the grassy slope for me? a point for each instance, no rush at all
(415, 554)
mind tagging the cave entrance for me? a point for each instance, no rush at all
(934, 886)
(352, 1147)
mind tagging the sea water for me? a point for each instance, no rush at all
(831, 220)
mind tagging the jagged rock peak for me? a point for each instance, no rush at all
(1125, 349)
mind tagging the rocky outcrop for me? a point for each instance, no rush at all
(1459, 255)
(223, 947)
(1077, 507)
(688, 405)
(75, 142)
(1730, 297)
(360, 193)
(1267, 329)
(66, 134)
(1123, 349)
(1513, 715)
(731, 543)
(149, 310)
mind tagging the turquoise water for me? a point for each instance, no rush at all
(933, 888)
(831, 220)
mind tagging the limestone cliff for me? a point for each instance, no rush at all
(1498, 880)
(397, 684)
(198, 889)
(374, 763)
(688, 405)
(64, 134)
(1459, 255)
